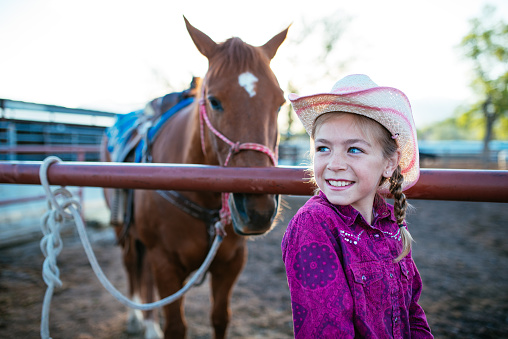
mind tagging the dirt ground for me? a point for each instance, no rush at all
(461, 251)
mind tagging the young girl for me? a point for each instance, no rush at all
(347, 251)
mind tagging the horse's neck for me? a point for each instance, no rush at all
(179, 141)
(196, 154)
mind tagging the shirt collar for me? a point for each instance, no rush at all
(349, 214)
(382, 209)
(346, 212)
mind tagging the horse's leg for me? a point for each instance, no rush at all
(223, 277)
(131, 264)
(141, 289)
(169, 279)
(151, 319)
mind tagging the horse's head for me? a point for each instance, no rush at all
(240, 101)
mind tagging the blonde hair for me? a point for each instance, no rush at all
(376, 131)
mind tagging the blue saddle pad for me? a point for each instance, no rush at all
(120, 133)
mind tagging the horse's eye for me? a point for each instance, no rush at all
(215, 103)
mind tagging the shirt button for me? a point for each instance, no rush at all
(396, 319)
(391, 275)
(364, 278)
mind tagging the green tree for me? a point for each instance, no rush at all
(486, 45)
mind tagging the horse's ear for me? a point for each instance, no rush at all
(271, 46)
(202, 41)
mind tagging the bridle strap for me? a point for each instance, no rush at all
(234, 148)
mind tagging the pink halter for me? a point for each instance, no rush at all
(235, 147)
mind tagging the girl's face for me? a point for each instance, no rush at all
(348, 165)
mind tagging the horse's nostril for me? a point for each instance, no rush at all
(239, 200)
(253, 214)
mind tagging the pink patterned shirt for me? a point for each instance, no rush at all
(342, 278)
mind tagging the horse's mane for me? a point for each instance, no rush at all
(236, 55)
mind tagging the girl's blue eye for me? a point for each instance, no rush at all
(322, 149)
(354, 150)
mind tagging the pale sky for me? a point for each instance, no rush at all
(117, 55)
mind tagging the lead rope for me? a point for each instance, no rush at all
(234, 147)
(51, 243)
(51, 246)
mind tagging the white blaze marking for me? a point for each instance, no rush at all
(248, 81)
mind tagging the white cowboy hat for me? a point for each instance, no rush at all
(388, 106)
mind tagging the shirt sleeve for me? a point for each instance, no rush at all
(417, 320)
(321, 300)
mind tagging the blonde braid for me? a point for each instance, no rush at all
(399, 208)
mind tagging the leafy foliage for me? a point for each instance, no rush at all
(486, 45)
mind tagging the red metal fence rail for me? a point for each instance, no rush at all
(434, 184)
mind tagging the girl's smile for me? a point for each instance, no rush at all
(339, 183)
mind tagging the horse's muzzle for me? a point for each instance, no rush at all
(253, 214)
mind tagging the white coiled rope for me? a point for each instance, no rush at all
(61, 205)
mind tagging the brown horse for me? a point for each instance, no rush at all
(236, 106)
